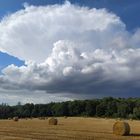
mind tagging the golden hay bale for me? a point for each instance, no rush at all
(9, 118)
(53, 121)
(15, 119)
(121, 128)
(119, 119)
(131, 119)
(41, 118)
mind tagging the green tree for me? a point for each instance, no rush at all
(136, 112)
(122, 110)
(90, 108)
(101, 109)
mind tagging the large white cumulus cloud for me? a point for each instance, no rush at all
(29, 34)
(70, 49)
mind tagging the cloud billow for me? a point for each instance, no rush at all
(70, 49)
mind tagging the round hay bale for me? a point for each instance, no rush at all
(42, 118)
(119, 119)
(121, 128)
(9, 118)
(15, 119)
(53, 121)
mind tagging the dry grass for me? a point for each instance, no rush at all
(72, 128)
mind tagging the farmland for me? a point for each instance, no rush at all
(71, 128)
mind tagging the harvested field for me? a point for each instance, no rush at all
(72, 128)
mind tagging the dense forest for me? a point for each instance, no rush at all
(106, 107)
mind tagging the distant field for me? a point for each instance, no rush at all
(71, 128)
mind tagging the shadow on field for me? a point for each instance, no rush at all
(60, 124)
(135, 134)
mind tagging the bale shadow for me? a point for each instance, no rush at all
(60, 124)
(135, 134)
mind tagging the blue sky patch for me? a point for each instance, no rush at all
(6, 60)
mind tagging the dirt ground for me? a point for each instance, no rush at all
(71, 128)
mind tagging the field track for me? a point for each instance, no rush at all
(71, 128)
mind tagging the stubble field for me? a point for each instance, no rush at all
(71, 128)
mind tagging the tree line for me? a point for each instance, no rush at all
(107, 107)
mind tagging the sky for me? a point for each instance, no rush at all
(55, 50)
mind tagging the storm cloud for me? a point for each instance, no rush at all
(70, 50)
